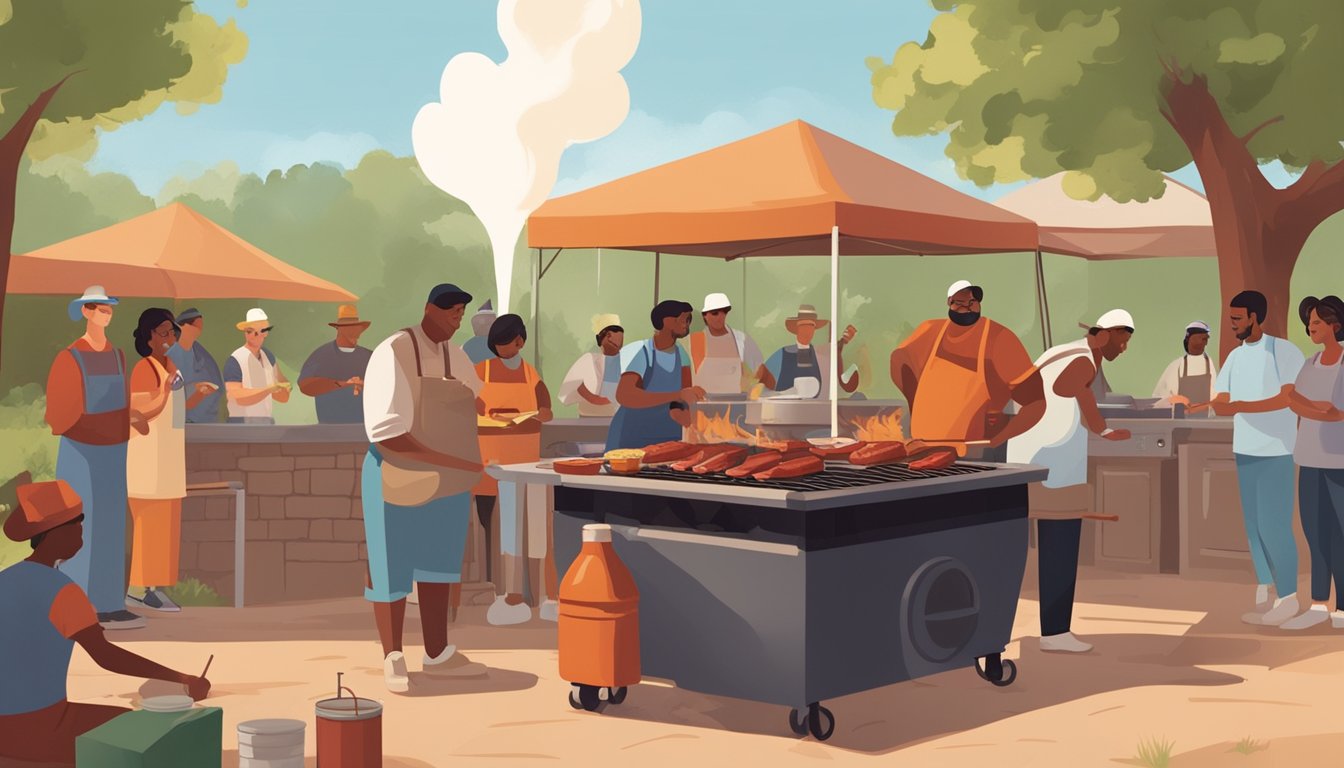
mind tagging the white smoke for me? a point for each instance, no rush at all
(495, 137)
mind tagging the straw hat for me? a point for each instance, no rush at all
(42, 506)
(348, 315)
(605, 321)
(256, 318)
(805, 312)
(94, 294)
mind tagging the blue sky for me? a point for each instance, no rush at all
(332, 79)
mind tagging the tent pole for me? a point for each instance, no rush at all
(536, 330)
(835, 332)
(1040, 302)
(657, 274)
(1045, 300)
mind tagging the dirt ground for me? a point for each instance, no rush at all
(1172, 663)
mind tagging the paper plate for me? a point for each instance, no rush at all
(167, 704)
(831, 442)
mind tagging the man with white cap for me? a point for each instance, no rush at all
(722, 357)
(1058, 442)
(1189, 379)
(592, 381)
(959, 372)
(252, 380)
(478, 346)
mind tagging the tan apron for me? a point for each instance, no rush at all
(1196, 389)
(156, 463)
(444, 422)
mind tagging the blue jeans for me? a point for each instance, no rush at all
(1320, 495)
(1266, 484)
(98, 474)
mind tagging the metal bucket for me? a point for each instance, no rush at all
(349, 731)
(270, 743)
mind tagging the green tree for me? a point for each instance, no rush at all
(69, 68)
(1116, 92)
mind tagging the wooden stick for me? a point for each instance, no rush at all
(208, 662)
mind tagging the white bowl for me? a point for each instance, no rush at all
(167, 704)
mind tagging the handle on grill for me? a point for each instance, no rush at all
(1103, 518)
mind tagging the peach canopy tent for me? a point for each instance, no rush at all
(172, 252)
(1178, 224)
(794, 190)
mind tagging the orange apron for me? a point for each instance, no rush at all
(506, 445)
(950, 400)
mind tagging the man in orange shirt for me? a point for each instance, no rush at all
(45, 615)
(958, 373)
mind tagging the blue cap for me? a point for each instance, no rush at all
(447, 295)
(188, 315)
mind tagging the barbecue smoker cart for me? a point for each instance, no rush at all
(796, 591)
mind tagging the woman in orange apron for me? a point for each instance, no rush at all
(512, 406)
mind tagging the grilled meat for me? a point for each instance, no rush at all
(674, 450)
(756, 463)
(800, 467)
(784, 446)
(885, 452)
(836, 452)
(704, 452)
(721, 462)
(938, 458)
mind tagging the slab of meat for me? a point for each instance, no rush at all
(721, 462)
(702, 453)
(885, 452)
(801, 467)
(836, 452)
(940, 458)
(670, 451)
(784, 446)
(757, 463)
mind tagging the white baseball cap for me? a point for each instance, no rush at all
(716, 301)
(1198, 326)
(961, 285)
(1116, 318)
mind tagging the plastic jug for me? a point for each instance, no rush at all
(599, 623)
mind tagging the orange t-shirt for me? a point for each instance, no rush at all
(146, 378)
(71, 612)
(1007, 363)
(65, 400)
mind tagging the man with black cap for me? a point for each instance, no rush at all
(424, 458)
(1189, 379)
(46, 613)
(197, 366)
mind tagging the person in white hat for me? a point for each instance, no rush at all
(592, 380)
(1058, 442)
(253, 382)
(723, 359)
(1189, 379)
(958, 374)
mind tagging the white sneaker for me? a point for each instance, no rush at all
(1316, 614)
(501, 614)
(394, 673)
(450, 663)
(1337, 619)
(1064, 642)
(1284, 609)
(549, 611)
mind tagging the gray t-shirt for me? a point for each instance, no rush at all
(1320, 444)
(329, 361)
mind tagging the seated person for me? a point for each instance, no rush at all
(45, 615)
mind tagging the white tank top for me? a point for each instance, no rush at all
(1058, 442)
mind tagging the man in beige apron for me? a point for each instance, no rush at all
(420, 416)
(1189, 379)
(723, 359)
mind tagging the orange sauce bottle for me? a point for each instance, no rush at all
(599, 616)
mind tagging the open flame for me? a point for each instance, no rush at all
(880, 428)
(718, 428)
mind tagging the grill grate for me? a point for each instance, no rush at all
(836, 477)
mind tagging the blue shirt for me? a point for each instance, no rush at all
(34, 654)
(478, 349)
(1259, 371)
(329, 361)
(196, 365)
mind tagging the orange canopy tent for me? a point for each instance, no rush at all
(794, 190)
(1176, 224)
(172, 252)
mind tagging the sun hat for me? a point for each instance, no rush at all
(42, 506)
(805, 312)
(94, 294)
(716, 301)
(256, 318)
(348, 315)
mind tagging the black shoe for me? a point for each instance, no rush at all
(120, 620)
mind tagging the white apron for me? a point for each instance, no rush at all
(156, 463)
(586, 409)
(1058, 442)
(718, 373)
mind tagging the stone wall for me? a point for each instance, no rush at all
(305, 528)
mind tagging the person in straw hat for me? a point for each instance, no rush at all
(333, 374)
(46, 613)
(801, 360)
(252, 380)
(592, 380)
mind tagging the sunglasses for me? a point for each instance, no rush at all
(262, 332)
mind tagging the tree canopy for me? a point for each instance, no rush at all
(1029, 88)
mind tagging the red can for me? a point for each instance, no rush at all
(349, 733)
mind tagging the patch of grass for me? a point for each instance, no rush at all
(1249, 746)
(1155, 752)
(190, 592)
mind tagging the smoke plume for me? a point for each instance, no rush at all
(495, 137)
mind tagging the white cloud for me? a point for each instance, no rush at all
(283, 152)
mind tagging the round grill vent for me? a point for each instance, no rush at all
(943, 609)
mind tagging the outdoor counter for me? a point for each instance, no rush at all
(303, 536)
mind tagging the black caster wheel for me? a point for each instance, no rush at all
(585, 697)
(798, 722)
(616, 695)
(997, 670)
(820, 722)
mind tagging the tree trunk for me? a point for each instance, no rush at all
(12, 146)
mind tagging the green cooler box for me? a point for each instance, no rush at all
(139, 739)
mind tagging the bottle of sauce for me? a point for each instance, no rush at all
(599, 623)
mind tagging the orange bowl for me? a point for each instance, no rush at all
(578, 466)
